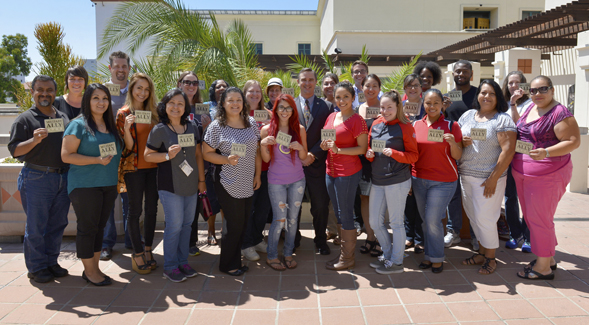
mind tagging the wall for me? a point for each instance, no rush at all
(561, 70)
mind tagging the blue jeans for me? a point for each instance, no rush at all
(110, 231)
(46, 203)
(455, 211)
(432, 199)
(517, 226)
(179, 213)
(286, 203)
(392, 197)
(342, 192)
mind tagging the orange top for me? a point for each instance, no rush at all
(142, 134)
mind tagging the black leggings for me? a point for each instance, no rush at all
(92, 206)
(237, 212)
(140, 182)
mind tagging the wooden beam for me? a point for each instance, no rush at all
(529, 41)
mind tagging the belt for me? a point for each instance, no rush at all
(47, 169)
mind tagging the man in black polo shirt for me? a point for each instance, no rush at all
(35, 138)
(462, 73)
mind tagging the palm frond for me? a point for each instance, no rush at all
(396, 78)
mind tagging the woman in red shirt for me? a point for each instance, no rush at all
(435, 174)
(344, 168)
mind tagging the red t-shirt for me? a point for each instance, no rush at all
(435, 162)
(345, 137)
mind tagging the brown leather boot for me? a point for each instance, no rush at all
(346, 257)
(339, 236)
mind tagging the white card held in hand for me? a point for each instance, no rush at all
(288, 91)
(186, 168)
(186, 140)
(143, 117)
(411, 109)
(201, 109)
(455, 95)
(108, 149)
(260, 115)
(372, 112)
(361, 98)
(114, 89)
(525, 87)
(435, 135)
(54, 125)
(328, 134)
(478, 134)
(201, 84)
(283, 139)
(238, 149)
(523, 147)
(318, 92)
(378, 145)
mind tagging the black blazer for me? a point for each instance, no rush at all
(319, 113)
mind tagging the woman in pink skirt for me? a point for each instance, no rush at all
(542, 176)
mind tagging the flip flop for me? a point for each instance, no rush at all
(538, 276)
(211, 240)
(289, 264)
(276, 266)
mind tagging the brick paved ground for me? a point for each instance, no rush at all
(311, 294)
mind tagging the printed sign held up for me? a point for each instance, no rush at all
(54, 125)
(411, 109)
(107, 149)
(372, 112)
(328, 134)
(186, 140)
(283, 139)
(143, 117)
(523, 147)
(238, 149)
(378, 145)
(455, 95)
(288, 91)
(114, 89)
(478, 134)
(260, 115)
(201, 109)
(435, 135)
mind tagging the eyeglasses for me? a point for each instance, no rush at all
(359, 71)
(541, 90)
(284, 109)
(189, 83)
(413, 87)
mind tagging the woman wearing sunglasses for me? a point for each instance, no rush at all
(542, 176)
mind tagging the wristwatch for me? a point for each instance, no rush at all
(167, 157)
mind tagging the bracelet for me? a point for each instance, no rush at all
(547, 153)
(511, 104)
(201, 181)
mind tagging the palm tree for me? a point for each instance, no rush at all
(181, 39)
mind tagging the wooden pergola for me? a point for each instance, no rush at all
(549, 31)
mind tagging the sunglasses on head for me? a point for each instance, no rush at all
(188, 82)
(541, 90)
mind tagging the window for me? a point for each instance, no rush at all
(258, 48)
(529, 13)
(479, 19)
(524, 65)
(304, 49)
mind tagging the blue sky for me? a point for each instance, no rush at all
(78, 19)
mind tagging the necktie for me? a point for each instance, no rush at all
(307, 112)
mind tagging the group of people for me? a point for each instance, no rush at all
(414, 157)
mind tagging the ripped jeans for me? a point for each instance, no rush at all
(286, 202)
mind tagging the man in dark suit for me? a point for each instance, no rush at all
(313, 113)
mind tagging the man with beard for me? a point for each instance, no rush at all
(35, 138)
(119, 66)
(462, 73)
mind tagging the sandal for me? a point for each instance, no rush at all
(532, 263)
(409, 244)
(537, 275)
(369, 245)
(276, 266)
(374, 252)
(152, 262)
(290, 264)
(141, 269)
(487, 266)
(211, 240)
(472, 261)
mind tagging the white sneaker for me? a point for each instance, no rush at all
(390, 268)
(475, 245)
(250, 254)
(451, 238)
(262, 247)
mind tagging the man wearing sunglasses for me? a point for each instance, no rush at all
(462, 74)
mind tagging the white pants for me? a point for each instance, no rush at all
(483, 212)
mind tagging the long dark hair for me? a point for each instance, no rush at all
(161, 106)
(86, 112)
(222, 114)
(507, 94)
(501, 102)
(212, 97)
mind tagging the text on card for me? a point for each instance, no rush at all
(107, 149)
(372, 112)
(113, 89)
(143, 117)
(201, 109)
(378, 145)
(260, 115)
(54, 125)
(478, 134)
(186, 140)
(435, 135)
(411, 109)
(283, 139)
(328, 134)
(288, 91)
(455, 95)
(238, 149)
(523, 147)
